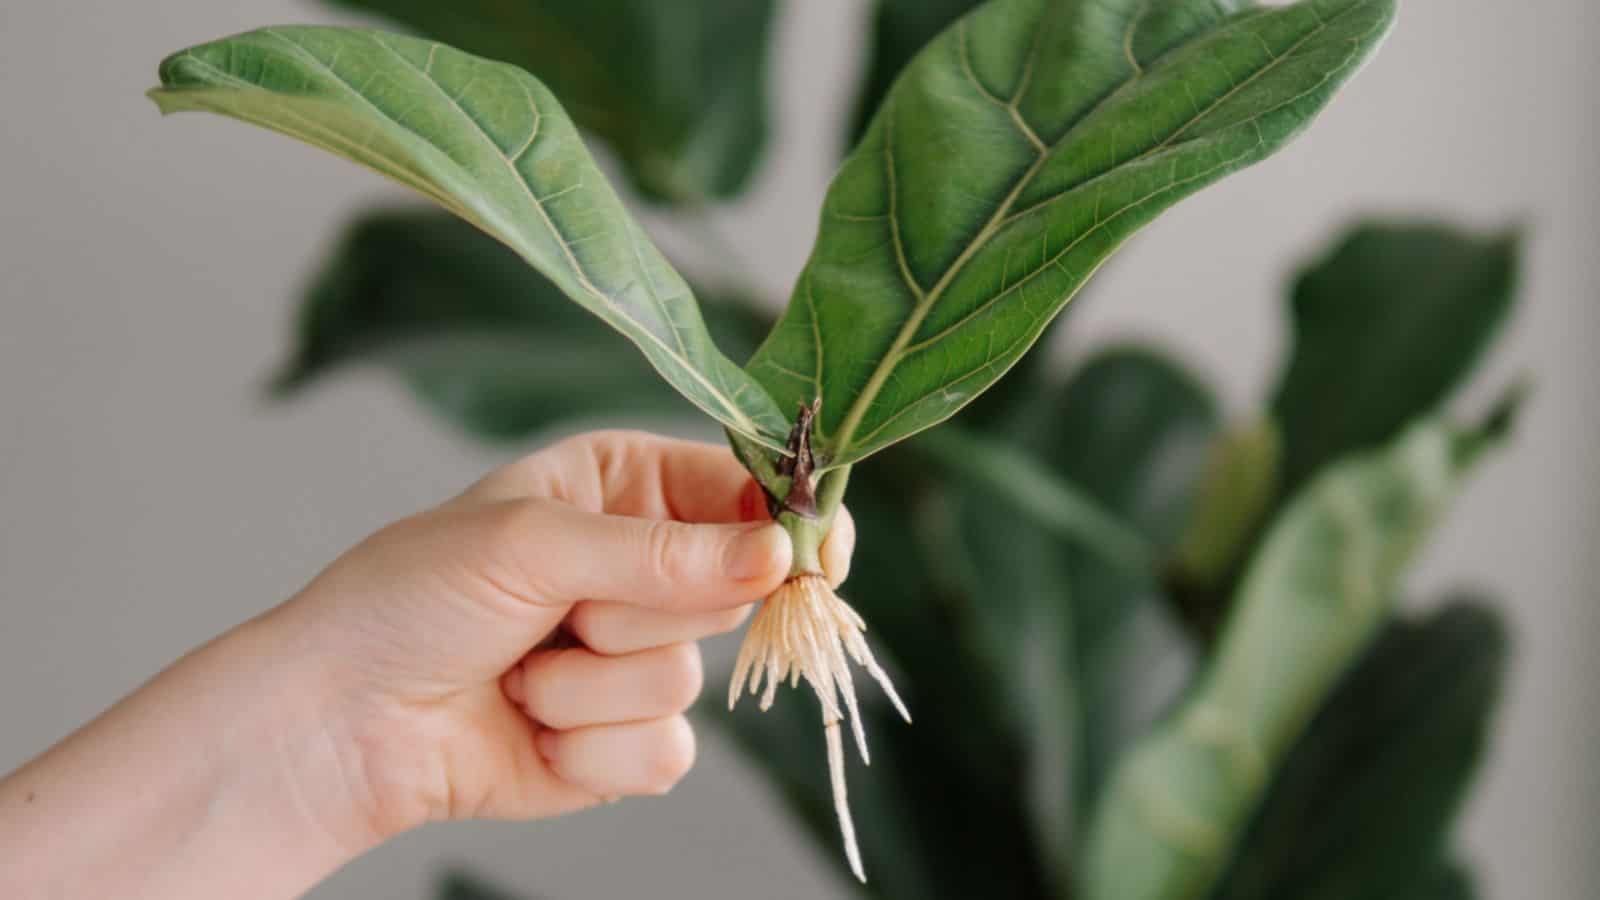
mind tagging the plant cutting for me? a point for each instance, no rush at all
(1010, 158)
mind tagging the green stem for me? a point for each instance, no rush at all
(806, 534)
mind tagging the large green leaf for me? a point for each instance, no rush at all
(677, 89)
(1011, 158)
(1385, 325)
(485, 341)
(1131, 429)
(489, 143)
(900, 28)
(1017, 580)
(1364, 802)
(1315, 594)
(1009, 477)
(1063, 618)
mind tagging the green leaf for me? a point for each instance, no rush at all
(677, 90)
(1364, 802)
(1011, 158)
(1385, 325)
(489, 143)
(1311, 601)
(900, 28)
(1046, 501)
(1131, 429)
(488, 343)
(459, 885)
(1063, 615)
(1449, 880)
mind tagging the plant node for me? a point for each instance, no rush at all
(800, 467)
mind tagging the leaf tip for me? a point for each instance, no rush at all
(162, 98)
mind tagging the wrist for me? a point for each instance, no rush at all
(285, 755)
(219, 777)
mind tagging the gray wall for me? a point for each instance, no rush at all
(147, 500)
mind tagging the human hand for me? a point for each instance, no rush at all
(526, 649)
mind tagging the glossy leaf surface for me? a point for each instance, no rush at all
(1010, 159)
(1313, 597)
(677, 89)
(1392, 319)
(488, 343)
(1363, 805)
(488, 142)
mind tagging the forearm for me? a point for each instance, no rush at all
(212, 780)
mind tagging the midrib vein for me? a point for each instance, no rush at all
(924, 305)
(926, 301)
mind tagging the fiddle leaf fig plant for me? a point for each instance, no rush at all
(1006, 561)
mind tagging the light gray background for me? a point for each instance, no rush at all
(147, 500)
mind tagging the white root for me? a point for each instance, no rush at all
(804, 630)
(841, 802)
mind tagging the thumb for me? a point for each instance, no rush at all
(563, 554)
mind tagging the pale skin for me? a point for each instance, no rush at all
(525, 650)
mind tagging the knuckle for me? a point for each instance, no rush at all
(523, 562)
(671, 755)
(585, 621)
(663, 548)
(540, 684)
(508, 525)
(612, 449)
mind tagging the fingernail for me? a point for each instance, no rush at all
(751, 553)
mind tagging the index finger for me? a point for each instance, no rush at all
(633, 473)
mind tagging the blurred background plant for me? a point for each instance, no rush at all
(1096, 551)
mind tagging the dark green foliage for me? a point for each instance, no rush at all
(492, 346)
(1151, 423)
(1365, 801)
(459, 885)
(677, 89)
(1447, 880)
(1384, 327)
